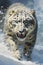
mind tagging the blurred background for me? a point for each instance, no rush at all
(6, 3)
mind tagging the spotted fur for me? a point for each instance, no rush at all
(20, 29)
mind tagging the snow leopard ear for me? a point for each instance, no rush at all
(33, 12)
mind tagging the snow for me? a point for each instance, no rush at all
(1, 12)
(37, 55)
(7, 59)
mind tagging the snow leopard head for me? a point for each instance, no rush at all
(19, 20)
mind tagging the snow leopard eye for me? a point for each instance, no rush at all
(16, 21)
(27, 23)
(14, 25)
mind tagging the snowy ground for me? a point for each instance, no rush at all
(7, 59)
(37, 55)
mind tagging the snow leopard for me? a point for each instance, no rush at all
(20, 29)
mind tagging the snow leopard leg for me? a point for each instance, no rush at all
(28, 50)
(13, 48)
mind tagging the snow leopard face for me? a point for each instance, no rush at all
(20, 21)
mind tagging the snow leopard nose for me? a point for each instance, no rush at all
(22, 31)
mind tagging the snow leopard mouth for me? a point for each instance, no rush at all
(21, 35)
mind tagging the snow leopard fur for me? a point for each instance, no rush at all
(20, 28)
